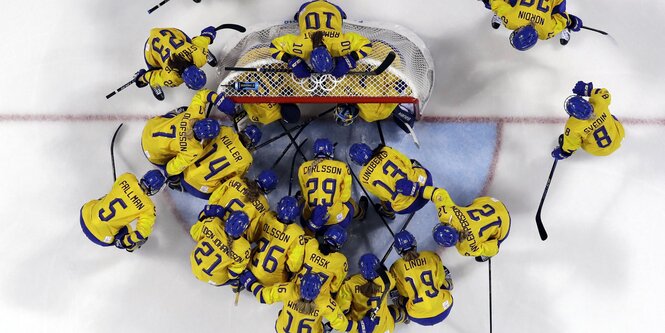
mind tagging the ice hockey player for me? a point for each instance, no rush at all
(228, 155)
(221, 252)
(423, 282)
(590, 126)
(173, 58)
(533, 20)
(267, 113)
(326, 182)
(240, 194)
(322, 256)
(106, 221)
(361, 294)
(381, 169)
(403, 114)
(321, 41)
(173, 141)
(281, 244)
(305, 306)
(476, 230)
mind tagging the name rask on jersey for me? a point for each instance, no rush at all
(221, 246)
(596, 124)
(315, 167)
(467, 234)
(243, 190)
(133, 198)
(374, 162)
(415, 263)
(228, 143)
(323, 262)
(300, 309)
(184, 125)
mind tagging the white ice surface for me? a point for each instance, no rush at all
(600, 271)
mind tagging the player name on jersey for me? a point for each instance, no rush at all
(300, 309)
(596, 124)
(277, 234)
(315, 258)
(536, 19)
(221, 246)
(467, 233)
(376, 289)
(183, 126)
(315, 167)
(373, 163)
(420, 261)
(133, 198)
(240, 187)
(228, 143)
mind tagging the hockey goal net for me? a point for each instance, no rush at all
(409, 79)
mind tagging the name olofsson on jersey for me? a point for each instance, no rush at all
(467, 234)
(240, 187)
(184, 124)
(228, 143)
(220, 245)
(133, 198)
(373, 163)
(596, 124)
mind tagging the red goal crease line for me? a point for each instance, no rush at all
(426, 118)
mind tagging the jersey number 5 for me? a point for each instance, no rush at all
(109, 216)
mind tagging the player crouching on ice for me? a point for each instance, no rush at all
(173, 58)
(403, 114)
(533, 20)
(325, 184)
(423, 283)
(106, 221)
(175, 140)
(221, 252)
(363, 293)
(322, 256)
(305, 306)
(379, 175)
(590, 126)
(281, 244)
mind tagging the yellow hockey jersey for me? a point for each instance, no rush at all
(356, 305)
(280, 250)
(333, 267)
(264, 113)
(326, 182)
(483, 225)
(125, 203)
(165, 43)
(548, 17)
(223, 158)
(293, 319)
(232, 195)
(383, 170)
(320, 15)
(168, 139)
(213, 261)
(601, 135)
(422, 282)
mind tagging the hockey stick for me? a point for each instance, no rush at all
(235, 302)
(293, 164)
(378, 125)
(236, 27)
(376, 71)
(386, 289)
(293, 140)
(595, 30)
(390, 249)
(154, 8)
(413, 135)
(370, 200)
(489, 267)
(121, 88)
(287, 148)
(295, 128)
(539, 222)
(112, 155)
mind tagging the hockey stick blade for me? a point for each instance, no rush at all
(595, 30)
(115, 134)
(236, 27)
(413, 135)
(381, 68)
(120, 89)
(539, 221)
(154, 8)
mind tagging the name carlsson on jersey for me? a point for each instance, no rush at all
(323, 168)
(467, 234)
(596, 124)
(228, 143)
(373, 163)
(222, 247)
(183, 131)
(133, 198)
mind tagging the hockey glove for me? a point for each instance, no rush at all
(247, 279)
(574, 23)
(319, 218)
(403, 116)
(343, 65)
(367, 324)
(175, 183)
(223, 104)
(583, 89)
(449, 280)
(487, 4)
(559, 154)
(139, 79)
(213, 210)
(299, 68)
(235, 285)
(209, 32)
(407, 187)
(482, 258)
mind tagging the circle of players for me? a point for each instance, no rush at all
(243, 244)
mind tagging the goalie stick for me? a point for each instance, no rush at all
(539, 222)
(112, 155)
(413, 135)
(376, 71)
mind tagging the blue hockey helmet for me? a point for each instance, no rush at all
(287, 209)
(206, 129)
(345, 114)
(404, 241)
(335, 237)
(253, 135)
(323, 148)
(310, 286)
(321, 60)
(360, 153)
(236, 224)
(578, 107)
(194, 77)
(152, 181)
(369, 266)
(267, 180)
(524, 38)
(445, 235)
